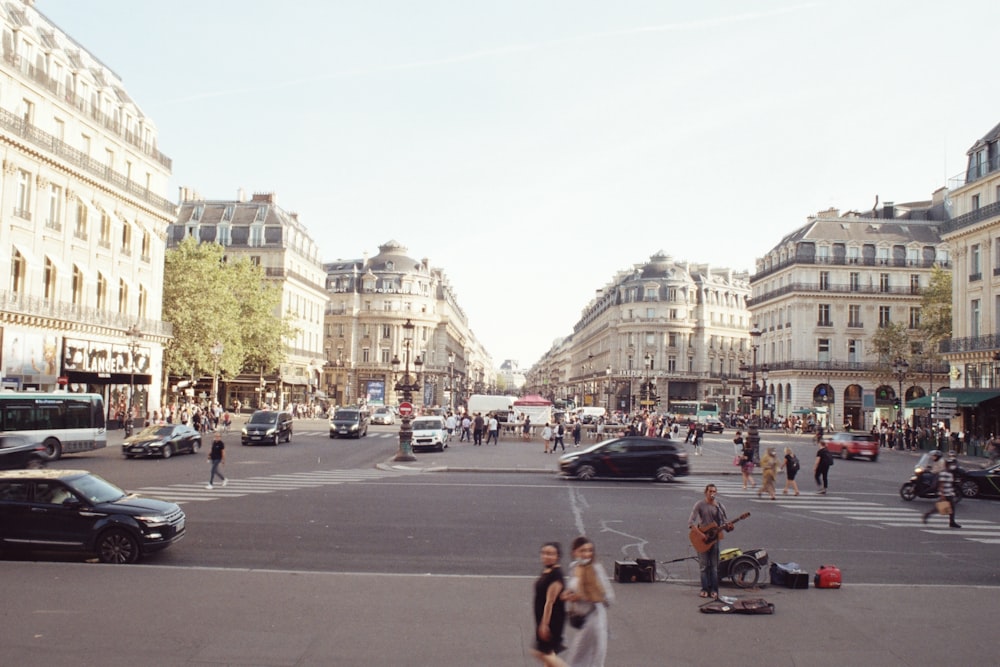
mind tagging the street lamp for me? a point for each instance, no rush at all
(607, 375)
(754, 392)
(899, 369)
(451, 382)
(134, 335)
(216, 351)
(725, 393)
(407, 386)
(647, 391)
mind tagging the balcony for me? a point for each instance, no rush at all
(974, 277)
(987, 343)
(845, 288)
(850, 261)
(15, 302)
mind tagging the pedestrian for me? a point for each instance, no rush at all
(824, 460)
(746, 466)
(493, 430)
(946, 493)
(227, 421)
(708, 517)
(526, 428)
(546, 436)
(699, 435)
(589, 593)
(478, 426)
(449, 426)
(559, 433)
(217, 457)
(993, 449)
(466, 429)
(769, 472)
(550, 608)
(577, 433)
(791, 468)
(738, 446)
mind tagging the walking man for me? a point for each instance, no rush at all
(217, 457)
(824, 459)
(493, 430)
(560, 433)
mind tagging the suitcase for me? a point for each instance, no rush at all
(632, 571)
(827, 576)
(789, 575)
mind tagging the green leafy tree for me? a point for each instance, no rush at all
(888, 343)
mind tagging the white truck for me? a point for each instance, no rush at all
(487, 403)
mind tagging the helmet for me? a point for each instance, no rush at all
(937, 454)
(951, 463)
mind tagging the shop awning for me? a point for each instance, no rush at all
(964, 398)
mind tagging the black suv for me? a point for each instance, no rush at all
(17, 453)
(349, 423)
(656, 458)
(74, 510)
(271, 426)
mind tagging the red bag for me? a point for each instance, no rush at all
(827, 576)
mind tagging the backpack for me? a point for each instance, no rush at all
(793, 464)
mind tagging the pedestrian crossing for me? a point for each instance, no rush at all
(237, 488)
(975, 530)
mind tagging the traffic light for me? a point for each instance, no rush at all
(896, 404)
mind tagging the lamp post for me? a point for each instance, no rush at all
(216, 351)
(754, 392)
(134, 335)
(899, 369)
(607, 376)
(725, 393)
(407, 386)
(451, 382)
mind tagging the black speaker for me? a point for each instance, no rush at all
(632, 571)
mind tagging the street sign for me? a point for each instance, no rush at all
(405, 409)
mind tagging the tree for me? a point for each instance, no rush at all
(935, 310)
(888, 343)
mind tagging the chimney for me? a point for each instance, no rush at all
(241, 195)
(888, 211)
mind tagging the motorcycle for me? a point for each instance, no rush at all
(924, 483)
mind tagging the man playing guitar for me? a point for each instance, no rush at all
(708, 518)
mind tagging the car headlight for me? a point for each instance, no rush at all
(244, 431)
(153, 520)
(270, 431)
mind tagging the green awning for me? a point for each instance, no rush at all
(964, 398)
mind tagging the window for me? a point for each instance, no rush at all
(671, 364)
(883, 256)
(366, 354)
(975, 315)
(60, 129)
(81, 221)
(256, 236)
(386, 331)
(914, 317)
(650, 313)
(122, 296)
(227, 214)
(49, 280)
(853, 350)
(387, 306)
(824, 280)
(975, 263)
(914, 283)
(913, 256)
(102, 292)
(855, 279)
(823, 318)
(85, 144)
(18, 268)
(29, 112)
(672, 339)
(105, 240)
(146, 246)
(651, 293)
(650, 339)
(261, 214)
(22, 206)
(883, 316)
(854, 316)
(852, 255)
(975, 202)
(55, 207)
(366, 330)
(77, 295)
(126, 239)
(143, 301)
(883, 282)
(385, 355)
(823, 349)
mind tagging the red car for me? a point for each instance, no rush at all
(849, 445)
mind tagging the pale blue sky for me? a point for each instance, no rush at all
(531, 149)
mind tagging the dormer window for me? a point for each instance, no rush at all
(261, 214)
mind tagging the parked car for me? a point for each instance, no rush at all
(162, 440)
(16, 452)
(662, 460)
(267, 426)
(74, 510)
(383, 416)
(713, 425)
(428, 433)
(849, 444)
(349, 423)
(982, 483)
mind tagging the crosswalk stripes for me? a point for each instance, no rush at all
(236, 488)
(974, 530)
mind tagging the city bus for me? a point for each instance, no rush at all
(694, 411)
(64, 423)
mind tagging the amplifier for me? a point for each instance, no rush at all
(632, 571)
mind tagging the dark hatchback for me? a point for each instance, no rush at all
(655, 458)
(349, 423)
(74, 510)
(984, 483)
(16, 453)
(265, 426)
(164, 440)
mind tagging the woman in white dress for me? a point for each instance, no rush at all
(589, 593)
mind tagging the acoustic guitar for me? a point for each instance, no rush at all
(703, 537)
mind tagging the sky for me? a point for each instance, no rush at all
(532, 149)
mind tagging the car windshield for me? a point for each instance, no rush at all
(263, 418)
(426, 424)
(152, 431)
(346, 415)
(96, 489)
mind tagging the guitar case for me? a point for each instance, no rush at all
(745, 606)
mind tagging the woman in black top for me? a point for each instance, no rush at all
(550, 610)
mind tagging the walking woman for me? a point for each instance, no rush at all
(546, 437)
(769, 470)
(746, 466)
(550, 609)
(589, 592)
(791, 468)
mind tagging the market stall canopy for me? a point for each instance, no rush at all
(532, 400)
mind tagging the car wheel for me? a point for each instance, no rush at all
(744, 573)
(969, 488)
(118, 547)
(874, 458)
(586, 473)
(288, 438)
(908, 491)
(664, 474)
(333, 435)
(277, 439)
(196, 446)
(53, 449)
(168, 451)
(441, 447)
(844, 454)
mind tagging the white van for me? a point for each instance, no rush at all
(487, 403)
(428, 433)
(589, 414)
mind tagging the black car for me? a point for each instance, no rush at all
(982, 483)
(271, 426)
(349, 423)
(16, 453)
(713, 425)
(164, 440)
(74, 510)
(656, 458)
